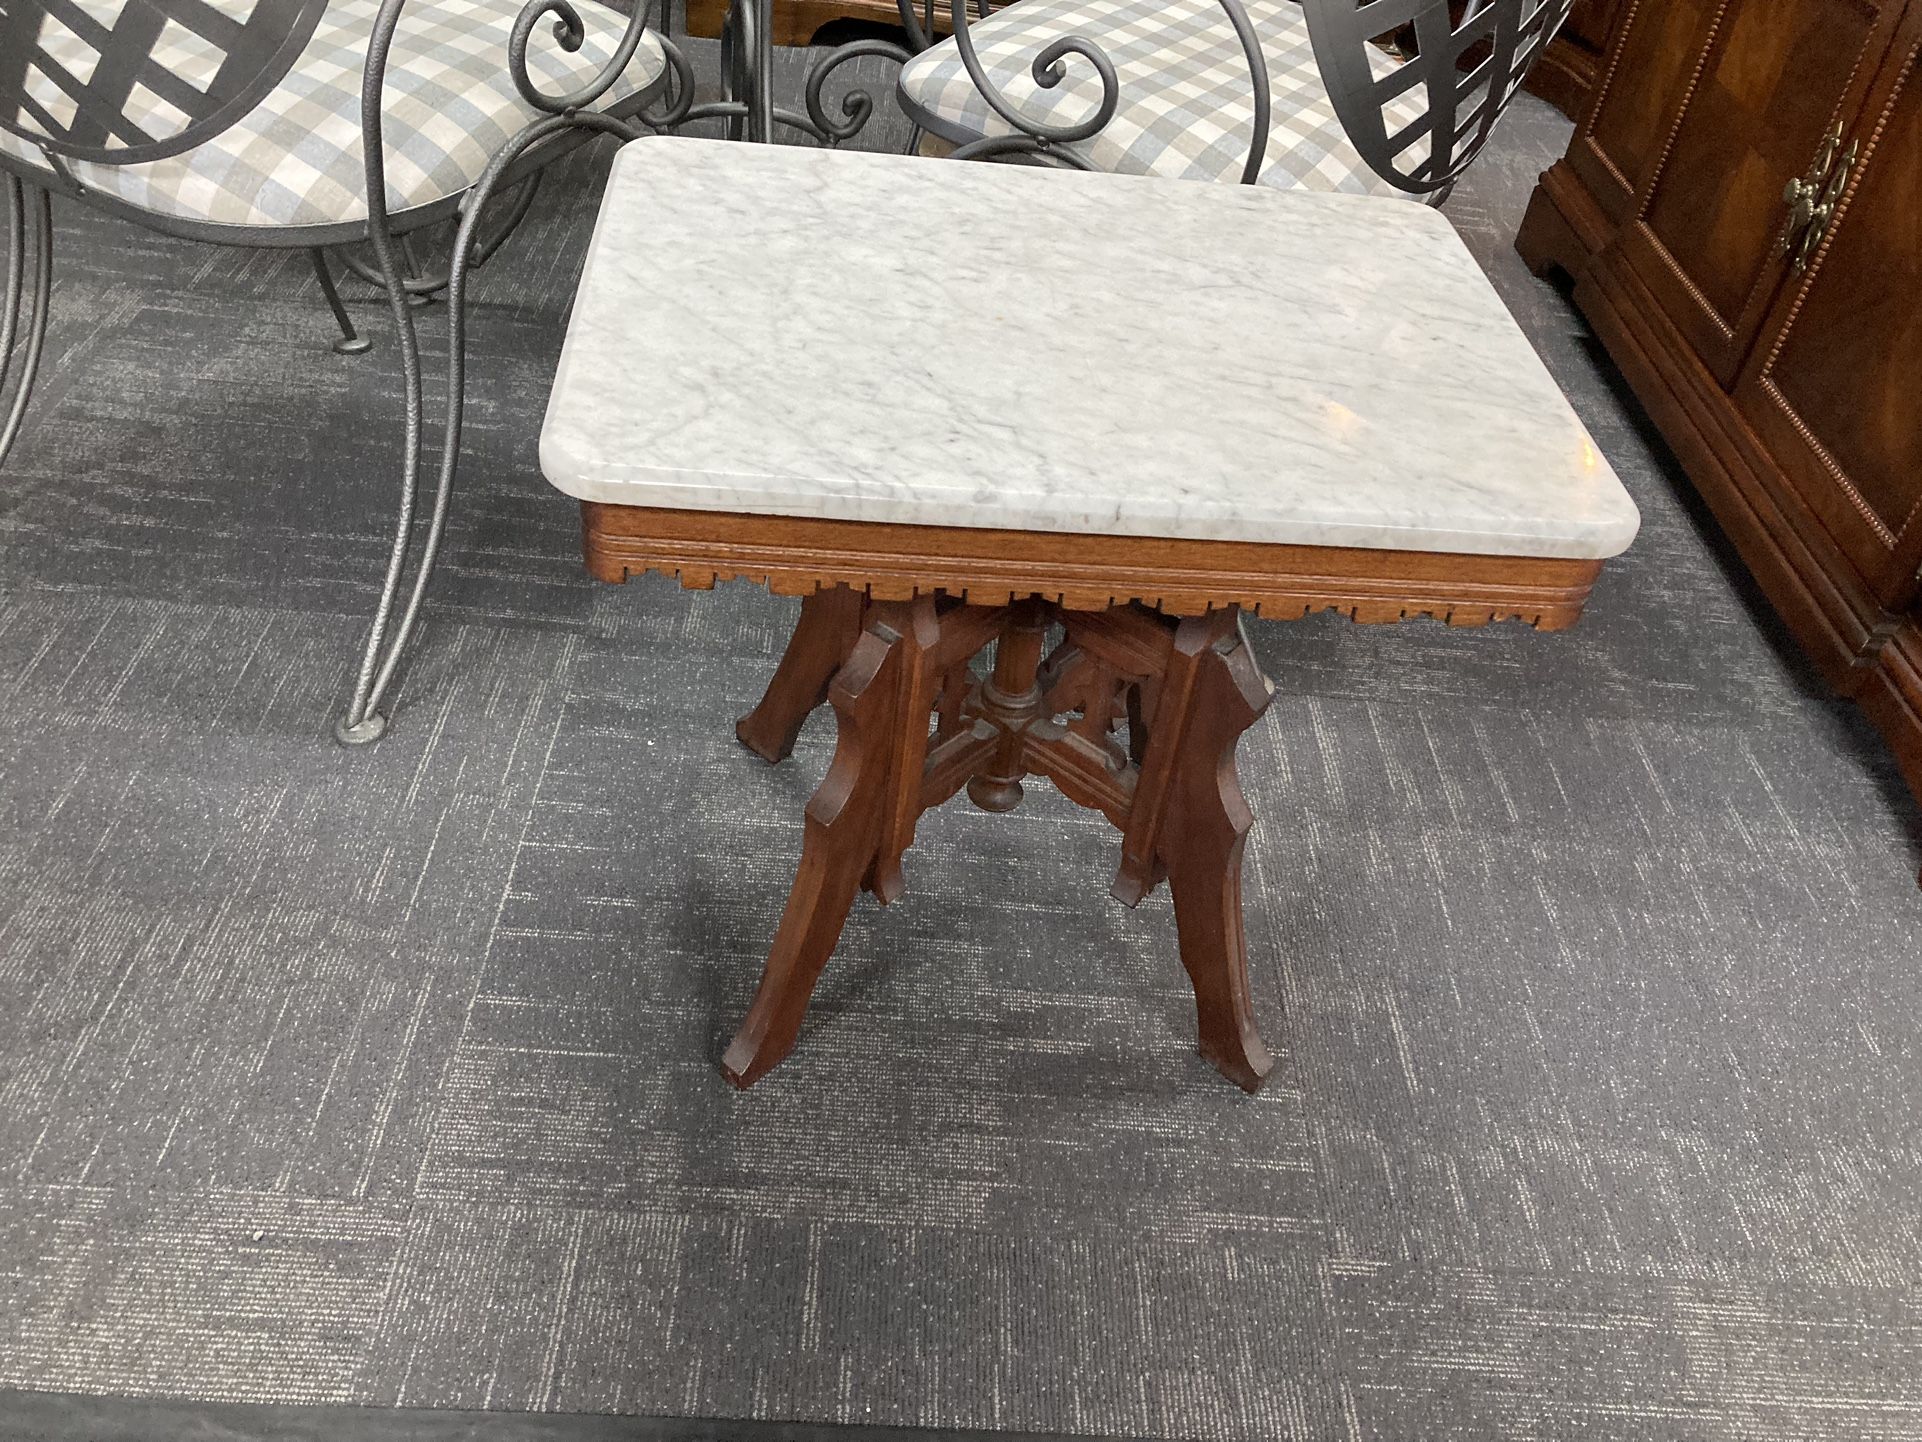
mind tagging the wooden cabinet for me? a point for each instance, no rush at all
(1778, 346)
(1643, 84)
(1834, 388)
(1566, 74)
(1778, 78)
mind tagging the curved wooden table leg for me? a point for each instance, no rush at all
(823, 638)
(844, 827)
(1200, 842)
(920, 633)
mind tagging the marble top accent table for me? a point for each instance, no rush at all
(1134, 410)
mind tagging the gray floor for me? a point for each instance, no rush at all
(388, 1076)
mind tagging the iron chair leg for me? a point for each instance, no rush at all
(22, 200)
(422, 286)
(364, 722)
(350, 341)
(380, 660)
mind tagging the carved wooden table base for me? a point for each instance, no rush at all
(1133, 712)
(1130, 713)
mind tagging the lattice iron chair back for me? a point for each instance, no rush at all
(1275, 92)
(311, 124)
(120, 84)
(117, 84)
(1465, 92)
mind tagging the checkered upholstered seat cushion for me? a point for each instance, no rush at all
(295, 159)
(1186, 101)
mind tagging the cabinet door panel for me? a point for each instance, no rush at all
(1835, 389)
(1778, 76)
(1646, 77)
(1591, 23)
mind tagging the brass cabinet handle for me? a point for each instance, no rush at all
(1812, 199)
(1825, 208)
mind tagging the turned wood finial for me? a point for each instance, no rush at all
(1010, 700)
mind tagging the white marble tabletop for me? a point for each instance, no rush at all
(789, 331)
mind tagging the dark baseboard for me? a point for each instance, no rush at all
(69, 1417)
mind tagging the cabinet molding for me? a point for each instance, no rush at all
(1788, 391)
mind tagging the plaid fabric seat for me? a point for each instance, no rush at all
(295, 159)
(1186, 101)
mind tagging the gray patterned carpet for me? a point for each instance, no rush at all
(388, 1076)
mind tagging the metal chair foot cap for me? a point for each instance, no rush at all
(359, 345)
(369, 728)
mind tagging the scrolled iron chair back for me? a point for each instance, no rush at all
(1463, 104)
(1041, 138)
(121, 82)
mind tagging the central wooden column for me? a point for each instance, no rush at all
(1010, 701)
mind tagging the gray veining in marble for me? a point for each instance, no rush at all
(883, 338)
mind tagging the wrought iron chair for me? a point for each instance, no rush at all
(1290, 95)
(308, 124)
